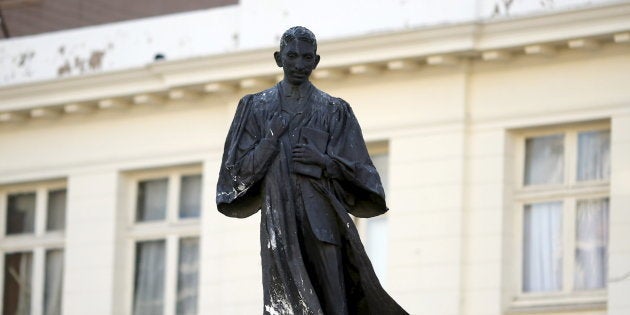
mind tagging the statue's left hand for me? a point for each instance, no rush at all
(308, 154)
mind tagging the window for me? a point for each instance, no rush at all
(164, 220)
(31, 248)
(374, 231)
(562, 205)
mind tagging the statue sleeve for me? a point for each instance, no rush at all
(355, 179)
(246, 159)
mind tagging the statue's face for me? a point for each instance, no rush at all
(298, 59)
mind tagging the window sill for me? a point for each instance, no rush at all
(536, 305)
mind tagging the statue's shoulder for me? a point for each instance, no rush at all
(265, 96)
(332, 102)
(260, 100)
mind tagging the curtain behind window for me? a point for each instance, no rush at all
(544, 160)
(54, 282)
(188, 276)
(149, 279)
(591, 252)
(542, 242)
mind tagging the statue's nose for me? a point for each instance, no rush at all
(299, 65)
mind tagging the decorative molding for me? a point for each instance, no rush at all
(365, 69)
(217, 87)
(496, 55)
(622, 38)
(44, 113)
(402, 65)
(79, 109)
(442, 60)
(147, 99)
(583, 43)
(182, 94)
(495, 40)
(328, 74)
(12, 117)
(255, 83)
(540, 50)
(112, 104)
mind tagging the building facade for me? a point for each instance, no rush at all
(501, 129)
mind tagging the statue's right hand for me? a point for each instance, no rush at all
(276, 126)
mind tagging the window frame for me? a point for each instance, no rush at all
(172, 229)
(375, 149)
(568, 192)
(36, 243)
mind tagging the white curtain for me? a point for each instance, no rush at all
(593, 155)
(149, 279)
(17, 283)
(190, 197)
(542, 247)
(376, 245)
(152, 200)
(591, 253)
(188, 276)
(56, 212)
(54, 282)
(544, 160)
(377, 228)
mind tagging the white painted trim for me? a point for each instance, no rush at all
(463, 40)
(172, 229)
(568, 192)
(36, 243)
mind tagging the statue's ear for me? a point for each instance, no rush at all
(316, 61)
(278, 58)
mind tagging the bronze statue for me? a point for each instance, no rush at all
(298, 155)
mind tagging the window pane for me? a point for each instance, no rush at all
(376, 245)
(188, 276)
(593, 155)
(591, 253)
(21, 213)
(152, 200)
(542, 247)
(190, 197)
(56, 212)
(54, 282)
(544, 160)
(149, 278)
(17, 284)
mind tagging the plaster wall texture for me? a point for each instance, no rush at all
(251, 24)
(447, 182)
(450, 132)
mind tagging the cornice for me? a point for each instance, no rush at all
(488, 41)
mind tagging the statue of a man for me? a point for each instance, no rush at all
(298, 155)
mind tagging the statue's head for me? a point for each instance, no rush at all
(298, 54)
(299, 33)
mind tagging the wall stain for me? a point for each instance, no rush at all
(25, 58)
(64, 69)
(96, 59)
(80, 64)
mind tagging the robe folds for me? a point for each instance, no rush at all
(258, 174)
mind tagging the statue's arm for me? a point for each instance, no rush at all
(248, 154)
(355, 177)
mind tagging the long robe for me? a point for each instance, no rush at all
(258, 174)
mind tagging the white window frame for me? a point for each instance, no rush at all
(171, 230)
(37, 243)
(568, 193)
(375, 148)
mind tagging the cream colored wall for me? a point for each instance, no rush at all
(619, 263)
(450, 163)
